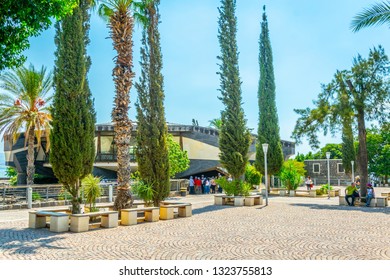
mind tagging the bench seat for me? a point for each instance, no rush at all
(59, 222)
(252, 200)
(80, 222)
(311, 193)
(167, 210)
(130, 216)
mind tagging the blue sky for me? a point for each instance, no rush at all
(310, 41)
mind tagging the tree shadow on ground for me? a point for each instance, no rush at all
(27, 241)
(213, 208)
(384, 210)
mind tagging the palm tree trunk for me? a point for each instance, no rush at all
(31, 156)
(121, 26)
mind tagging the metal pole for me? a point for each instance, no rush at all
(353, 171)
(266, 180)
(110, 192)
(29, 197)
(327, 157)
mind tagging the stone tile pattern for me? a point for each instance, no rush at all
(288, 229)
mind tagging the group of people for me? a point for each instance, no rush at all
(204, 185)
(352, 192)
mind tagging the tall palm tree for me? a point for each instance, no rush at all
(377, 14)
(23, 107)
(120, 15)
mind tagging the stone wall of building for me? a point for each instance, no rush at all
(317, 169)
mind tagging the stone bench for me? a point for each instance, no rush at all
(59, 222)
(253, 200)
(221, 199)
(80, 222)
(167, 210)
(378, 201)
(311, 193)
(385, 194)
(130, 216)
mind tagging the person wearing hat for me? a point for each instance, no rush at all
(370, 194)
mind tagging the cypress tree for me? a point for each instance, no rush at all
(152, 131)
(234, 138)
(72, 139)
(268, 129)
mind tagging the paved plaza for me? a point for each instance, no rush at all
(296, 228)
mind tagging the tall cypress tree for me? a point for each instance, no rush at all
(268, 129)
(72, 139)
(152, 131)
(234, 138)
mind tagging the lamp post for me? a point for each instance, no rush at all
(265, 149)
(327, 158)
(353, 171)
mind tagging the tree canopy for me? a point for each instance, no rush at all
(354, 96)
(22, 19)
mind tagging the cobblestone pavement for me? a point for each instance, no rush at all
(289, 228)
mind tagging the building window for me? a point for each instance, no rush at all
(316, 168)
(340, 168)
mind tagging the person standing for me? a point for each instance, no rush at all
(308, 183)
(370, 194)
(192, 185)
(350, 193)
(213, 185)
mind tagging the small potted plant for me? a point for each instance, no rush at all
(92, 190)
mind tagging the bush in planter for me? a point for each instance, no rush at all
(92, 190)
(144, 192)
(252, 176)
(324, 189)
(235, 187)
(292, 174)
(64, 194)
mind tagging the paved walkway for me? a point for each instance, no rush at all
(289, 228)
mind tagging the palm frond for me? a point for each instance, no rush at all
(377, 14)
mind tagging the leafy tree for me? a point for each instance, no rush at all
(178, 159)
(292, 174)
(22, 19)
(334, 149)
(268, 129)
(378, 147)
(152, 131)
(24, 106)
(377, 14)
(73, 149)
(120, 16)
(234, 137)
(367, 88)
(252, 176)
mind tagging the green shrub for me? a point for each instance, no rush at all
(36, 196)
(235, 187)
(252, 176)
(64, 194)
(91, 189)
(292, 174)
(324, 188)
(143, 191)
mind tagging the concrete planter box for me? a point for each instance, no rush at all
(239, 200)
(292, 193)
(283, 192)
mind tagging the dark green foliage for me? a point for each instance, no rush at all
(178, 159)
(152, 131)
(352, 98)
(268, 129)
(72, 138)
(378, 148)
(22, 19)
(234, 137)
(252, 176)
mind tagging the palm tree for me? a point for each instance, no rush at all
(377, 14)
(23, 106)
(121, 16)
(216, 123)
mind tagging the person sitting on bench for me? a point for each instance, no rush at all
(350, 193)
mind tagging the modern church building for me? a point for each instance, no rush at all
(201, 144)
